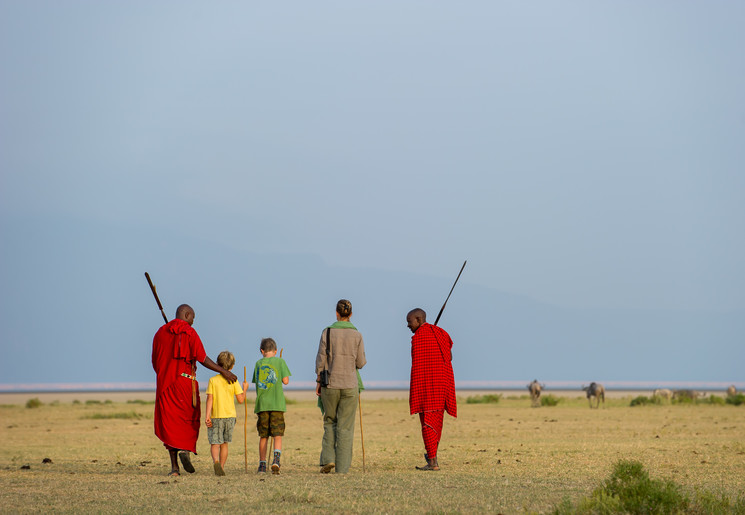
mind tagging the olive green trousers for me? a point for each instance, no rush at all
(339, 411)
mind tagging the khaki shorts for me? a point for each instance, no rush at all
(221, 430)
(270, 423)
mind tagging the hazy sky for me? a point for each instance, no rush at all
(586, 154)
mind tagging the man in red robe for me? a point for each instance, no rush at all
(176, 350)
(432, 388)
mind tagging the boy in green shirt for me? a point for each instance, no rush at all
(270, 373)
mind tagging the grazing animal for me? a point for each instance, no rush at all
(535, 392)
(597, 391)
(731, 391)
(663, 393)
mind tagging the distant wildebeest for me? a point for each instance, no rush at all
(731, 391)
(597, 391)
(535, 392)
(687, 394)
(663, 393)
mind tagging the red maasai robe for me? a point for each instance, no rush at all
(176, 349)
(432, 383)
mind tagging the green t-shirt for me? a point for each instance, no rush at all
(268, 375)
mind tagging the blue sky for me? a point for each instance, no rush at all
(581, 154)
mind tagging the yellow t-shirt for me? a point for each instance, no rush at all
(223, 396)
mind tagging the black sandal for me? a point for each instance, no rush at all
(186, 462)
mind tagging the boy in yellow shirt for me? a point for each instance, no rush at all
(220, 417)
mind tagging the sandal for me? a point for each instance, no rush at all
(186, 462)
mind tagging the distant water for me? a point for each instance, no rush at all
(389, 385)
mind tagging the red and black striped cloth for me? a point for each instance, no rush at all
(432, 385)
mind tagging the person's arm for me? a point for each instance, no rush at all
(320, 362)
(361, 360)
(285, 373)
(208, 417)
(229, 376)
(241, 397)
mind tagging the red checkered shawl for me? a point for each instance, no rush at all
(432, 382)
(176, 349)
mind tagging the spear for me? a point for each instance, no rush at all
(451, 291)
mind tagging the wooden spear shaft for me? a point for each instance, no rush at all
(451, 292)
(362, 434)
(270, 447)
(245, 424)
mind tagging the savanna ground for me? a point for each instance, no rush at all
(505, 457)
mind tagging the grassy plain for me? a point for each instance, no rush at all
(495, 458)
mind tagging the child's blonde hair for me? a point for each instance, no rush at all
(226, 360)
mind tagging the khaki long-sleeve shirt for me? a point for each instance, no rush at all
(346, 355)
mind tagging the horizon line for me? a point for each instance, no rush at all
(386, 385)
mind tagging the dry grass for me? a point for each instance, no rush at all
(505, 457)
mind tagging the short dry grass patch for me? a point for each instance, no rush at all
(495, 457)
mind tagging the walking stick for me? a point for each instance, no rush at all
(362, 435)
(245, 423)
(270, 449)
(451, 291)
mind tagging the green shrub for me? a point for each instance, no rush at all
(684, 400)
(638, 493)
(715, 399)
(641, 400)
(484, 399)
(33, 403)
(685, 397)
(736, 399)
(92, 401)
(629, 489)
(550, 400)
(140, 401)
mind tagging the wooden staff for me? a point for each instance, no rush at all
(270, 449)
(362, 434)
(245, 423)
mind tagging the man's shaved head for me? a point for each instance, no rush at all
(418, 312)
(186, 313)
(415, 319)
